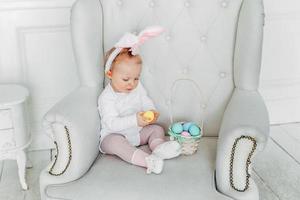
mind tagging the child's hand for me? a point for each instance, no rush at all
(140, 119)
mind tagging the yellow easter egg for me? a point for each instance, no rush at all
(148, 116)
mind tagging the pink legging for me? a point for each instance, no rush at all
(117, 144)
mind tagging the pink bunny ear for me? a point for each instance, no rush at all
(149, 32)
(146, 34)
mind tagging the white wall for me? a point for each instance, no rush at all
(35, 49)
(280, 76)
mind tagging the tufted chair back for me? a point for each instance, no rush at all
(191, 70)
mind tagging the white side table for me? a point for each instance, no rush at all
(14, 134)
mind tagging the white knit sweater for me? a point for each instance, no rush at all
(118, 112)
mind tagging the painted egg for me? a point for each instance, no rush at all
(185, 134)
(194, 130)
(187, 125)
(177, 128)
(148, 116)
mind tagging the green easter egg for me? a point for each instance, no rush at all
(177, 128)
(194, 130)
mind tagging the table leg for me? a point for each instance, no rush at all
(28, 163)
(1, 168)
(21, 161)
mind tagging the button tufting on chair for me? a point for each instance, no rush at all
(203, 38)
(168, 37)
(222, 74)
(185, 70)
(151, 4)
(120, 2)
(187, 4)
(224, 4)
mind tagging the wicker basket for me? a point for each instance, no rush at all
(188, 144)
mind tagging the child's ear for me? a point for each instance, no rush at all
(109, 74)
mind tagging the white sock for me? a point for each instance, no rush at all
(154, 164)
(168, 150)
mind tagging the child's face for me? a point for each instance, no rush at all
(125, 76)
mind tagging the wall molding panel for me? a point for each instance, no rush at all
(35, 49)
(14, 5)
(23, 32)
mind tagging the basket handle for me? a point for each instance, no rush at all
(199, 92)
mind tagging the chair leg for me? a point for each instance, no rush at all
(21, 161)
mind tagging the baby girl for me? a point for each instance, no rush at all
(122, 104)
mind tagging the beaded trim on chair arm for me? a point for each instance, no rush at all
(248, 162)
(56, 156)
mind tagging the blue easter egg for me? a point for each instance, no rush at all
(187, 125)
(177, 128)
(194, 130)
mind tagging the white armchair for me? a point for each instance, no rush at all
(205, 66)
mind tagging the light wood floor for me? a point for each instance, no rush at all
(276, 170)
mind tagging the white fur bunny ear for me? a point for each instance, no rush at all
(146, 34)
(127, 40)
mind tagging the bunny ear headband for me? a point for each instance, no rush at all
(133, 42)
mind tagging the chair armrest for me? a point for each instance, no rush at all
(245, 114)
(74, 124)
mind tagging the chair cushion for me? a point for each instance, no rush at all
(185, 177)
